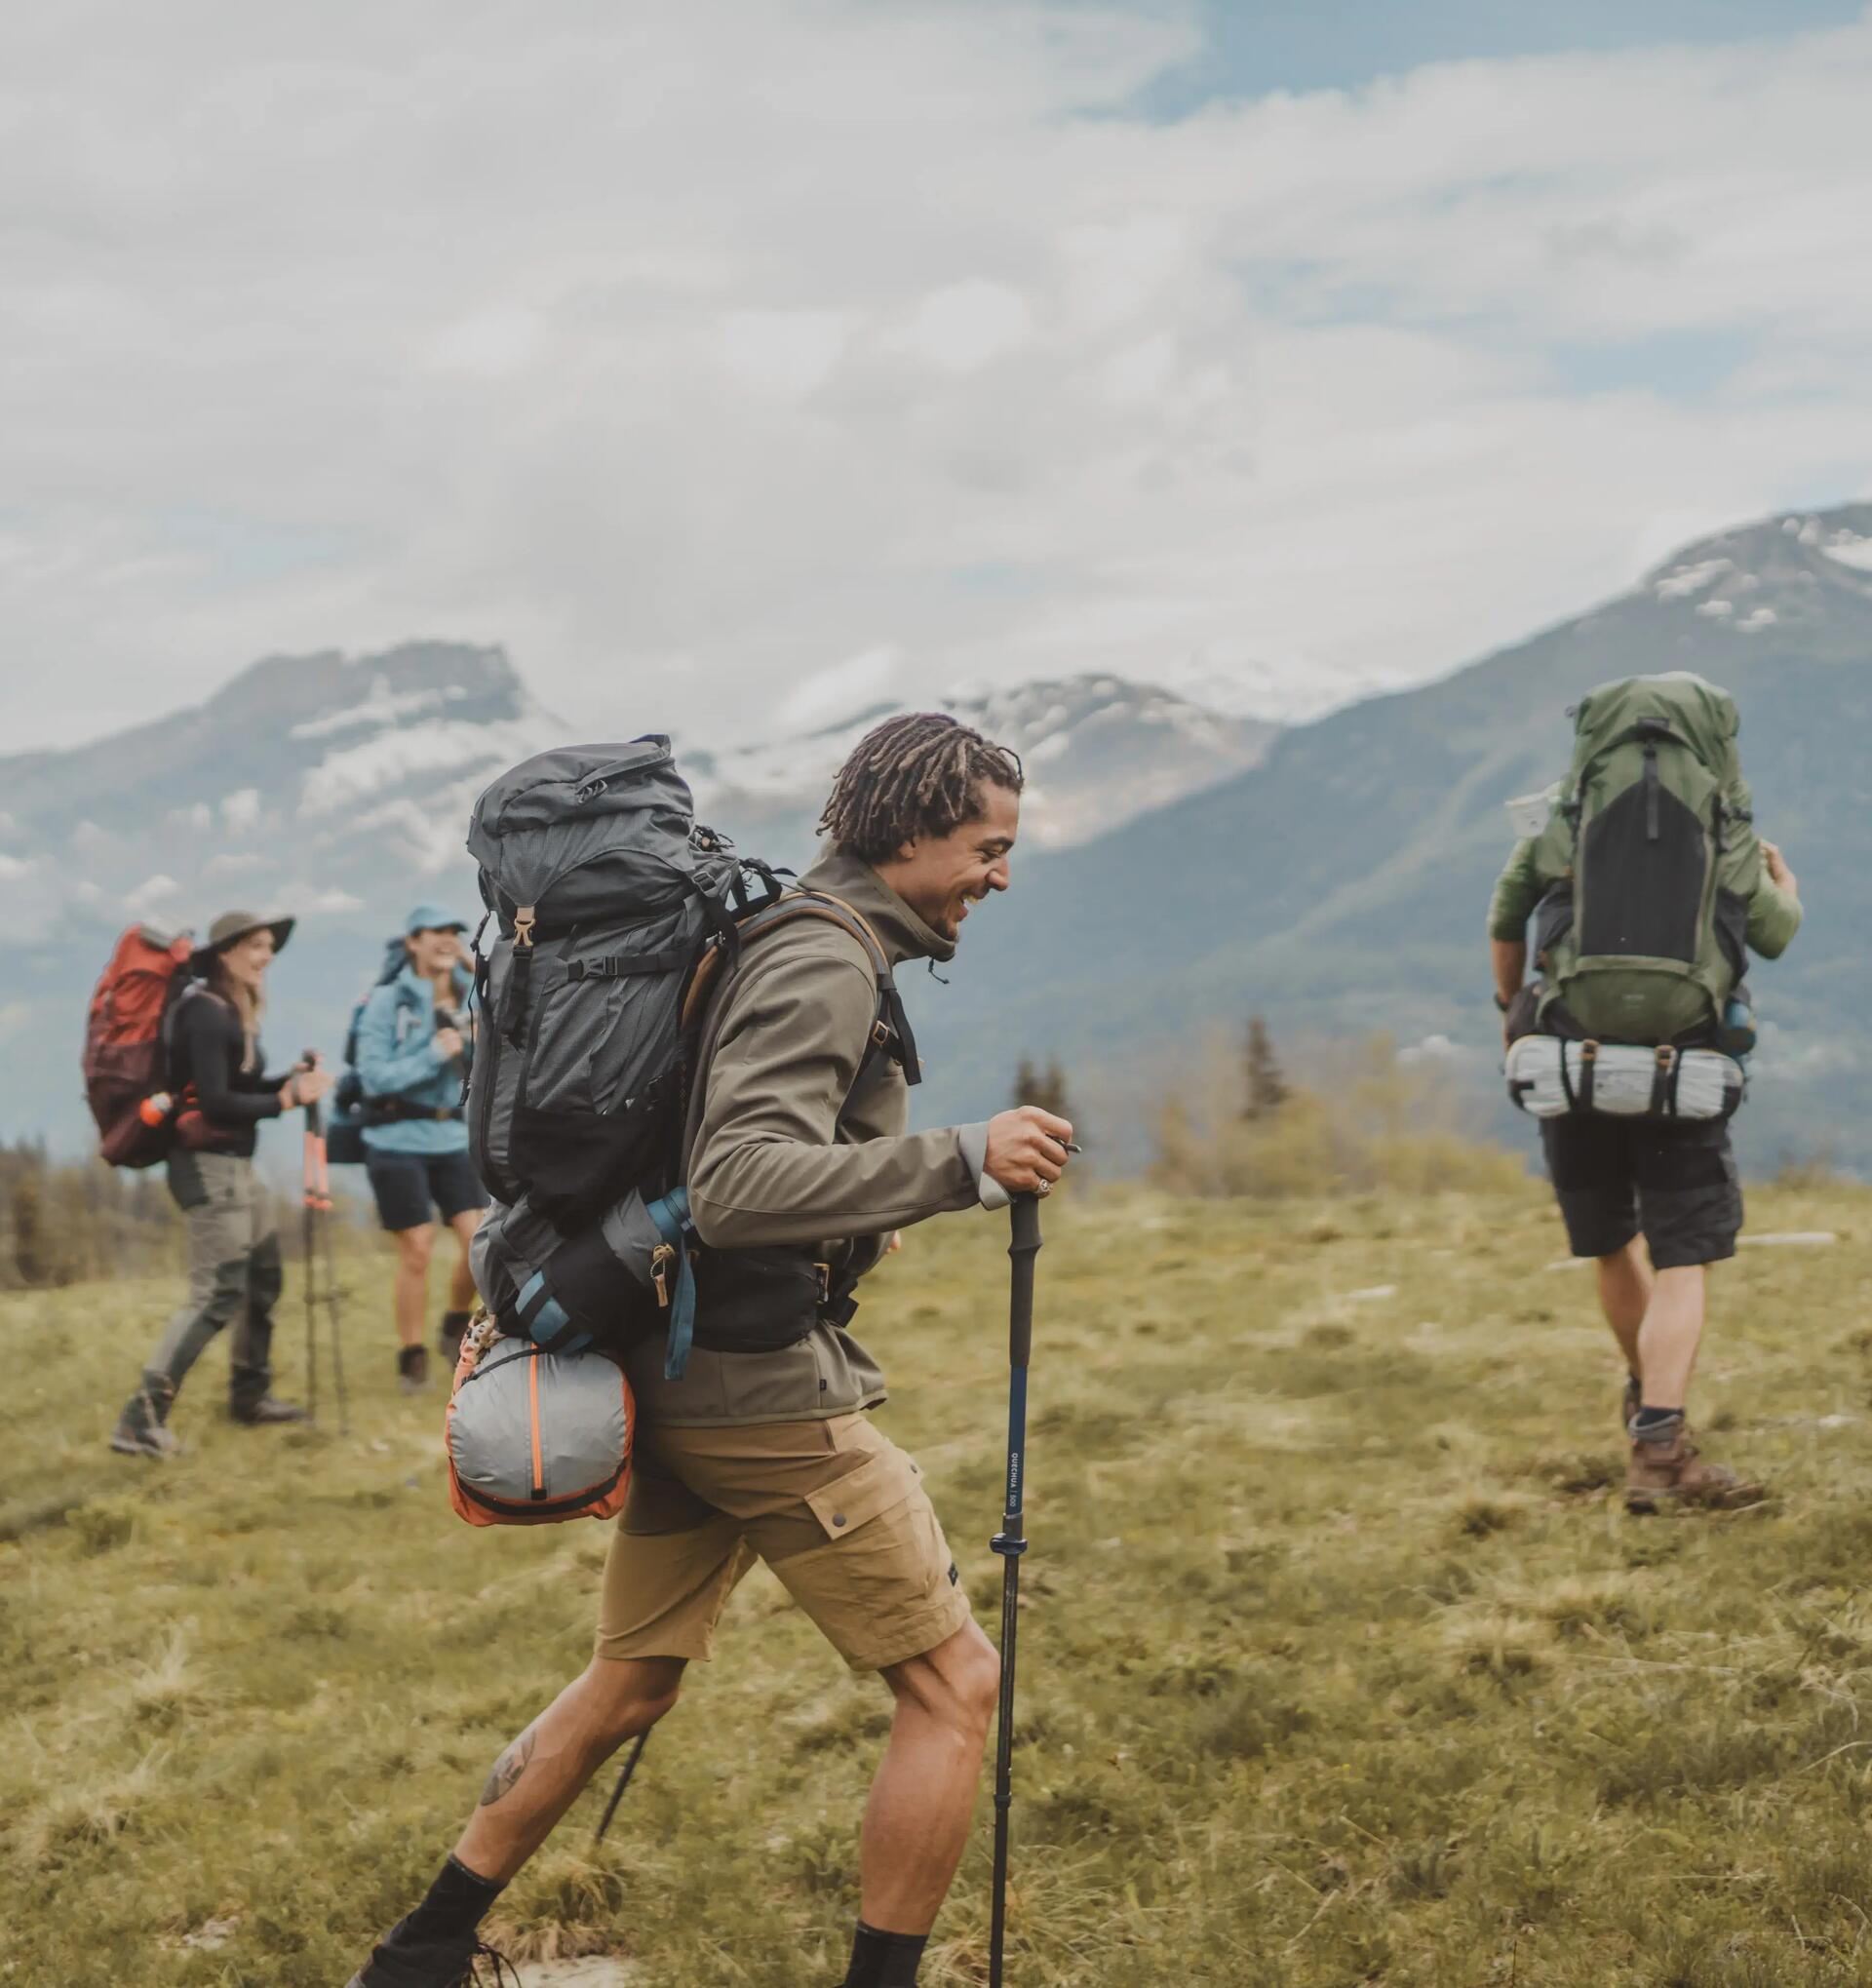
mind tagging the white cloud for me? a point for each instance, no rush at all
(152, 894)
(966, 325)
(789, 354)
(635, 335)
(240, 809)
(831, 694)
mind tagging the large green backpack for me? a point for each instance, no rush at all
(1642, 939)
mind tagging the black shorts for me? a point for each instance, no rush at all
(1676, 1181)
(410, 1186)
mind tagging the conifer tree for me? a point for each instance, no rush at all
(1267, 1087)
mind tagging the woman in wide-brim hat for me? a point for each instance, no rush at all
(218, 1076)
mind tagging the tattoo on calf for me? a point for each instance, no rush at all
(508, 1769)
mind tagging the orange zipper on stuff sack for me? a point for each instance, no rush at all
(532, 1391)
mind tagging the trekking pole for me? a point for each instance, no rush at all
(623, 1783)
(309, 1267)
(1010, 1543)
(317, 1202)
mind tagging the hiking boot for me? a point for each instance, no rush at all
(269, 1409)
(449, 1333)
(398, 1960)
(144, 1439)
(413, 1369)
(1665, 1469)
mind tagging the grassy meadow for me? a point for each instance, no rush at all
(1339, 1664)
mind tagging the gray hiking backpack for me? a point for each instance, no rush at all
(613, 915)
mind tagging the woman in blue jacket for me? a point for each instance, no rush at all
(413, 1040)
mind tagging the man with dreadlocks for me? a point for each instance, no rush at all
(797, 1138)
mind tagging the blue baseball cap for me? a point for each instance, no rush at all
(430, 918)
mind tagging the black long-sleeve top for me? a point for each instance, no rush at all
(209, 1053)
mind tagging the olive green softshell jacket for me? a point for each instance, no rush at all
(780, 1148)
(1541, 861)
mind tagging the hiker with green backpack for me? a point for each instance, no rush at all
(689, 1099)
(1648, 887)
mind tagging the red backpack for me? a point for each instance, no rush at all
(126, 1046)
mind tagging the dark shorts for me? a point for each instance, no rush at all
(1676, 1183)
(410, 1186)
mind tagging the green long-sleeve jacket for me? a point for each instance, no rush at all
(1538, 863)
(780, 1148)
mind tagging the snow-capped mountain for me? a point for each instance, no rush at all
(340, 790)
(1339, 886)
(308, 780)
(1097, 752)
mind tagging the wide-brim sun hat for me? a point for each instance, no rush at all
(231, 927)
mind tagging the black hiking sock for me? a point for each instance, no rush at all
(456, 1323)
(884, 1960)
(458, 1903)
(1656, 1425)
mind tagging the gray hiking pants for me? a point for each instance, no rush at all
(234, 1280)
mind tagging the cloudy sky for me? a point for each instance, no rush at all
(738, 360)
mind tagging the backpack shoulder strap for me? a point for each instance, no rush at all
(890, 1025)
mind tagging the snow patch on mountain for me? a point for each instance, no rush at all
(1850, 549)
(1110, 748)
(403, 752)
(1683, 581)
(380, 705)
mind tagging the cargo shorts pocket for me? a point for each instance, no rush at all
(886, 1478)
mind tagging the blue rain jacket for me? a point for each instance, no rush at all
(398, 1058)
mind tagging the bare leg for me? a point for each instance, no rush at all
(1672, 1332)
(1625, 1295)
(461, 1287)
(922, 1802)
(413, 1248)
(543, 1773)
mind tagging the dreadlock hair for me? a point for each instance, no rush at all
(920, 775)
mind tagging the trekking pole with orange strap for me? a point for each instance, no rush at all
(1010, 1543)
(319, 1271)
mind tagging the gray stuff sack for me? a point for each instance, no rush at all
(534, 1437)
(1551, 1078)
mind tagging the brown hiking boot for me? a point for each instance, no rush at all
(1668, 1472)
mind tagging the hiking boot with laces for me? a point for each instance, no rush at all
(1665, 1470)
(399, 1962)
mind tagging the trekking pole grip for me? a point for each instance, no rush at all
(1023, 1247)
(314, 1116)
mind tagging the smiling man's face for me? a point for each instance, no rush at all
(939, 876)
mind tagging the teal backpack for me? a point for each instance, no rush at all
(1642, 938)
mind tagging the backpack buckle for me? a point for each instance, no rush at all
(524, 918)
(661, 1258)
(825, 1282)
(881, 1035)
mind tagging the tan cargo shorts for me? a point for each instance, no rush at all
(834, 1508)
